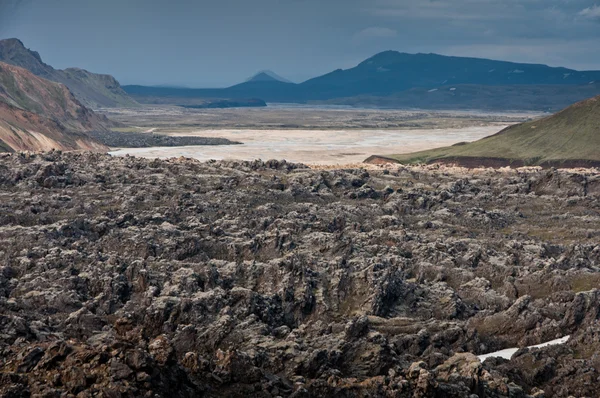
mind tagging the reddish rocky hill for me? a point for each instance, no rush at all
(92, 89)
(37, 114)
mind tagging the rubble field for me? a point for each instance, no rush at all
(123, 276)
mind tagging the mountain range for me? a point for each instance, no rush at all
(39, 115)
(394, 79)
(387, 80)
(390, 72)
(569, 138)
(91, 89)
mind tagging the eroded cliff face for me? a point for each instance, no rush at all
(39, 115)
(135, 277)
(91, 89)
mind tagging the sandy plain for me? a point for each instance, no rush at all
(311, 135)
(324, 147)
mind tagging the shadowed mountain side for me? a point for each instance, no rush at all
(549, 98)
(570, 138)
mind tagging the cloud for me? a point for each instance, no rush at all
(592, 12)
(298, 38)
(374, 32)
(569, 53)
(472, 10)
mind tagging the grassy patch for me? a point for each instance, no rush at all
(570, 135)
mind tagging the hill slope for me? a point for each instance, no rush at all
(93, 90)
(37, 114)
(569, 138)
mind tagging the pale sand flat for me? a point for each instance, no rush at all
(319, 147)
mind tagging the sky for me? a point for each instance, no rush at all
(216, 43)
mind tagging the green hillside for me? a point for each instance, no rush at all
(570, 137)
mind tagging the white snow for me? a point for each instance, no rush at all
(509, 352)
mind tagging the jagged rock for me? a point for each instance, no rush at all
(134, 277)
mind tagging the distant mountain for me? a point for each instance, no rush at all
(37, 114)
(570, 138)
(391, 72)
(393, 79)
(267, 76)
(93, 90)
(189, 97)
(247, 92)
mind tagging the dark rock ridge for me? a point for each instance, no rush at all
(117, 139)
(143, 278)
(225, 103)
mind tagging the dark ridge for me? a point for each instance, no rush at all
(251, 103)
(118, 139)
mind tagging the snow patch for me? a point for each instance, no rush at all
(509, 352)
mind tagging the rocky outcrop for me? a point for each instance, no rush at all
(136, 277)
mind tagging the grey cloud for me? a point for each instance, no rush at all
(591, 12)
(222, 42)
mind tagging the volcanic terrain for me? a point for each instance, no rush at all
(135, 277)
